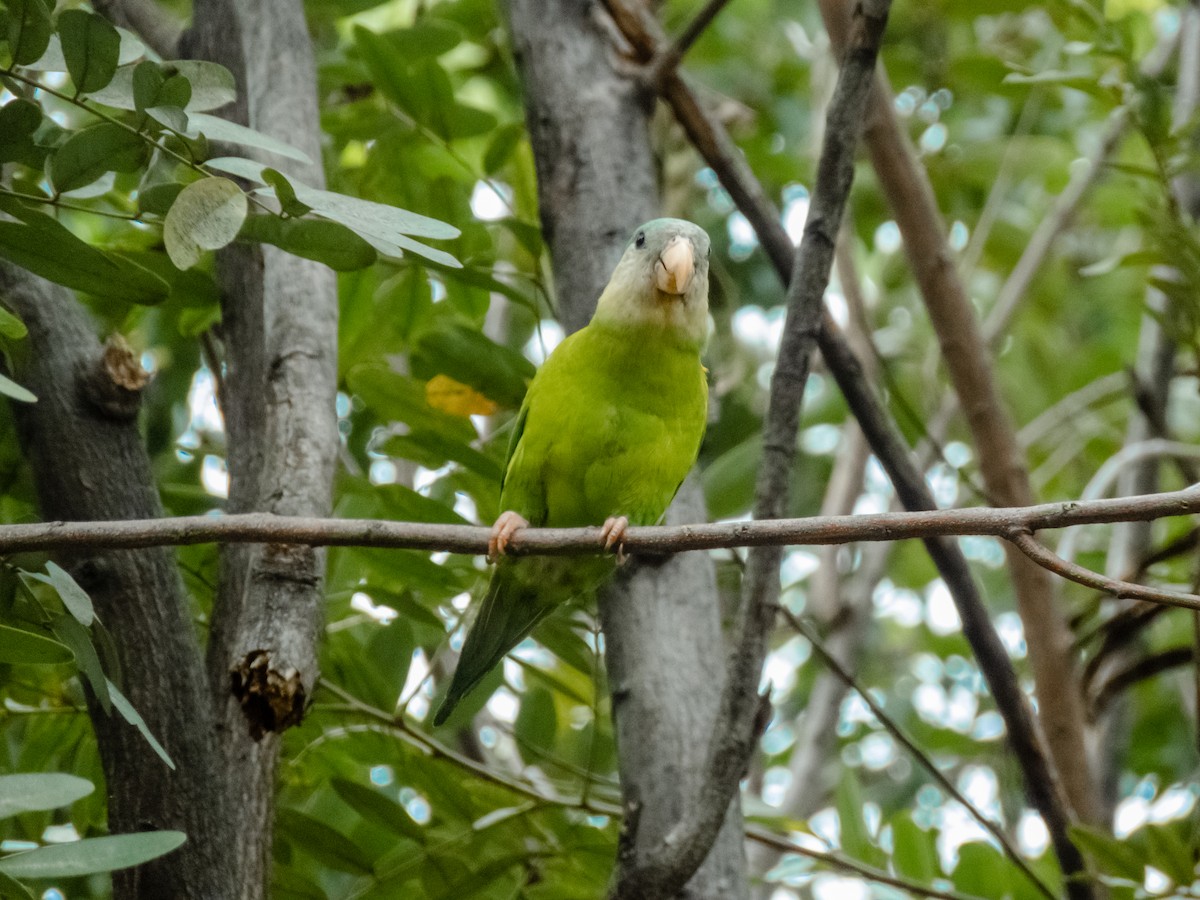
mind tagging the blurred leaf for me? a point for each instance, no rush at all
(91, 855)
(469, 357)
(10, 887)
(131, 715)
(375, 807)
(218, 129)
(88, 154)
(41, 791)
(323, 843)
(29, 29)
(90, 46)
(500, 149)
(206, 215)
(211, 86)
(855, 836)
(326, 242)
(914, 852)
(10, 388)
(27, 648)
(444, 393)
(11, 326)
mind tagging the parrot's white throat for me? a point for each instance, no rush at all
(662, 285)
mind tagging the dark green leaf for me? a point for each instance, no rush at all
(428, 37)
(323, 843)
(375, 807)
(40, 791)
(470, 357)
(208, 86)
(501, 147)
(326, 242)
(91, 47)
(19, 119)
(157, 198)
(10, 887)
(24, 647)
(29, 29)
(90, 153)
(91, 855)
(285, 193)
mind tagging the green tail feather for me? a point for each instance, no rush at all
(509, 611)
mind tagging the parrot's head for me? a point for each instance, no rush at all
(661, 280)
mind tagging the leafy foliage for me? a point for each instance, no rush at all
(120, 176)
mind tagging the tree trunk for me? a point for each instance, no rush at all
(89, 463)
(597, 181)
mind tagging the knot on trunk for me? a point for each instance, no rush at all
(113, 384)
(272, 700)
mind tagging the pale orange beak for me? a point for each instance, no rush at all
(675, 266)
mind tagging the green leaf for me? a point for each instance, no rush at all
(91, 47)
(88, 154)
(428, 37)
(11, 326)
(50, 250)
(285, 193)
(206, 215)
(218, 129)
(367, 218)
(982, 871)
(74, 598)
(92, 855)
(29, 29)
(855, 836)
(323, 843)
(10, 887)
(469, 356)
(131, 50)
(131, 715)
(249, 169)
(157, 198)
(326, 242)
(210, 86)
(501, 147)
(375, 807)
(26, 648)
(172, 117)
(1169, 854)
(76, 637)
(1111, 856)
(19, 119)
(10, 388)
(914, 852)
(40, 792)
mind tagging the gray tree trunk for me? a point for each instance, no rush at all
(279, 328)
(89, 463)
(597, 181)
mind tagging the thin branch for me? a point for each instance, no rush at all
(666, 867)
(1122, 590)
(1140, 670)
(265, 528)
(668, 59)
(831, 663)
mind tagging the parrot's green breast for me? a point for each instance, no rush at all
(610, 427)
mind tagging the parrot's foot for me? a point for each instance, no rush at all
(506, 526)
(613, 533)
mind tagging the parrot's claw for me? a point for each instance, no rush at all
(613, 533)
(503, 531)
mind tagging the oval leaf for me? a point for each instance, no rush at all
(27, 648)
(326, 242)
(206, 215)
(92, 855)
(91, 48)
(212, 86)
(90, 153)
(29, 29)
(40, 792)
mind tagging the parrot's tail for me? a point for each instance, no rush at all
(509, 611)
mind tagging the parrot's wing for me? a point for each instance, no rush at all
(515, 438)
(510, 610)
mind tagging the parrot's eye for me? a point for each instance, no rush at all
(640, 240)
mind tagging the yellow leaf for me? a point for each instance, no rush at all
(450, 396)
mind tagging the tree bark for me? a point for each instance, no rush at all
(279, 326)
(82, 441)
(597, 180)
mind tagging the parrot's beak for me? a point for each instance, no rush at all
(675, 266)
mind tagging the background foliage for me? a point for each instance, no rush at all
(106, 189)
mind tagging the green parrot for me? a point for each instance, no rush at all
(611, 424)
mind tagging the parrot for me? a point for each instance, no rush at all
(610, 425)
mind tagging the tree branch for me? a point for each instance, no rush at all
(264, 528)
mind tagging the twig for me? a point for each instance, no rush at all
(831, 663)
(1140, 670)
(1123, 590)
(667, 60)
(265, 528)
